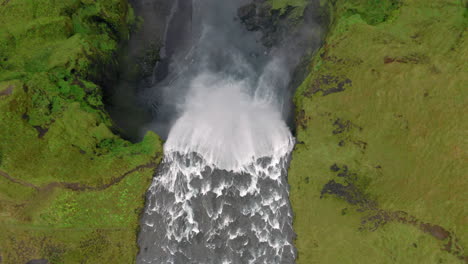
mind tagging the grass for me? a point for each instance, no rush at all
(283, 5)
(54, 131)
(386, 97)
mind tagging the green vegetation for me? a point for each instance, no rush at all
(379, 171)
(283, 5)
(71, 191)
(377, 176)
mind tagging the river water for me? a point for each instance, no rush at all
(221, 192)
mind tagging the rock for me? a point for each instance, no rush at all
(248, 16)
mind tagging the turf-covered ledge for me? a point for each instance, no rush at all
(379, 171)
(70, 189)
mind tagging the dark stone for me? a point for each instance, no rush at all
(334, 168)
(341, 126)
(349, 192)
(25, 117)
(345, 172)
(41, 131)
(273, 24)
(328, 84)
(247, 15)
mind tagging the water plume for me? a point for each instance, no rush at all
(228, 127)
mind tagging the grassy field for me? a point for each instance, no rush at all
(379, 171)
(71, 190)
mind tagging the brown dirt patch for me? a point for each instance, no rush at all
(382, 217)
(7, 91)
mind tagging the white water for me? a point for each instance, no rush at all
(228, 127)
(221, 193)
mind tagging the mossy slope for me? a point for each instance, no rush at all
(70, 189)
(379, 171)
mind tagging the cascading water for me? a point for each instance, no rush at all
(221, 194)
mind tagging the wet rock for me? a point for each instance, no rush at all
(273, 24)
(247, 15)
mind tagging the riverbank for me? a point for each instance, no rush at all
(378, 175)
(71, 190)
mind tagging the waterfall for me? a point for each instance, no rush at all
(221, 192)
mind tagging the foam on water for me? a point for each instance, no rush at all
(228, 127)
(201, 214)
(221, 194)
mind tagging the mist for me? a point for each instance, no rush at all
(225, 90)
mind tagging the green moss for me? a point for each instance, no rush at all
(397, 124)
(283, 5)
(55, 136)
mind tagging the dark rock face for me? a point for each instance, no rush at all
(289, 29)
(276, 25)
(248, 16)
(144, 60)
(147, 40)
(258, 16)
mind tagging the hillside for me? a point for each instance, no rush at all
(379, 171)
(71, 190)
